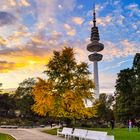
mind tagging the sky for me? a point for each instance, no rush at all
(31, 29)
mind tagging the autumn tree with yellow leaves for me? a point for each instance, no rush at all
(67, 87)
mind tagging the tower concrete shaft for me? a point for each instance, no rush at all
(96, 80)
(95, 47)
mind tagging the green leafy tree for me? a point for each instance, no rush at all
(128, 92)
(124, 108)
(67, 86)
(136, 87)
(104, 108)
(7, 105)
(23, 97)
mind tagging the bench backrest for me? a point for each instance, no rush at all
(108, 137)
(79, 132)
(67, 130)
(91, 133)
(83, 133)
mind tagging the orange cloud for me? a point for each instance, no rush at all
(13, 2)
(67, 27)
(78, 20)
(3, 42)
(56, 35)
(70, 30)
(24, 3)
(122, 48)
(129, 48)
(110, 51)
(23, 58)
(6, 66)
(38, 41)
(104, 21)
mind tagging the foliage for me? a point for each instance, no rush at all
(66, 88)
(127, 94)
(124, 86)
(7, 105)
(23, 97)
(25, 88)
(43, 97)
(136, 87)
(104, 110)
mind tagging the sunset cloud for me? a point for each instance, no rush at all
(129, 48)
(70, 31)
(3, 42)
(9, 66)
(67, 27)
(121, 49)
(24, 3)
(102, 21)
(78, 20)
(111, 51)
(31, 29)
(23, 58)
(13, 2)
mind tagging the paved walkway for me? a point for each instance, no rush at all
(29, 134)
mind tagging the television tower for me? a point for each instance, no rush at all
(95, 47)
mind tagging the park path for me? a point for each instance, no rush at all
(29, 134)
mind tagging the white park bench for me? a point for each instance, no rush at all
(79, 133)
(65, 132)
(95, 135)
(9, 126)
(84, 134)
(108, 137)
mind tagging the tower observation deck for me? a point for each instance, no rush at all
(95, 46)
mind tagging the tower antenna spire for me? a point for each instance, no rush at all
(94, 16)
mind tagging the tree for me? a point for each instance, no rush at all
(43, 97)
(7, 105)
(104, 108)
(136, 87)
(124, 108)
(128, 92)
(68, 84)
(23, 97)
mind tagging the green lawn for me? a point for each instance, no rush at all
(6, 137)
(123, 133)
(119, 133)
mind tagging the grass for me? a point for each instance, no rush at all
(123, 133)
(119, 133)
(51, 131)
(6, 137)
